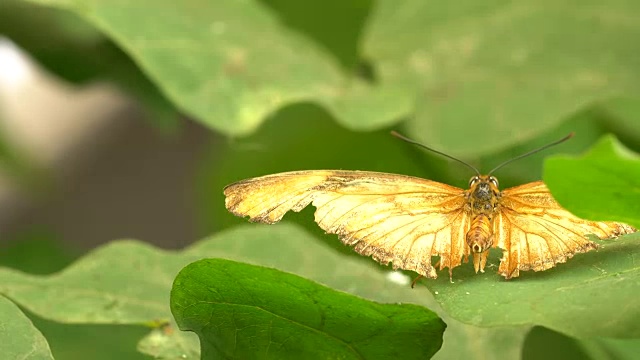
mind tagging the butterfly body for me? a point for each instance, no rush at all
(406, 221)
(483, 197)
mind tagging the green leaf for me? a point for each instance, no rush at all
(480, 79)
(619, 349)
(598, 287)
(37, 250)
(128, 282)
(310, 19)
(19, 338)
(226, 78)
(475, 79)
(246, 311)
(604, 184)
(124, 282)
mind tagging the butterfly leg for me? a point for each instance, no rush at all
(483, 260)
(437, 265)
(413, 283)
(480, 260)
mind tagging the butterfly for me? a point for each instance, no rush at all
(405, 220)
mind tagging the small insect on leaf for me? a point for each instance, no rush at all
(405, 220)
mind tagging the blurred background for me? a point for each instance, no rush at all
(88, 166)
(91, 150)
(82, 165)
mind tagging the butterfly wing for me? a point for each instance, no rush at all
(535, 233)
(393, 218)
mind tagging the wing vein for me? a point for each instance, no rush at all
(293, 195)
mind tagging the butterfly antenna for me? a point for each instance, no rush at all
(401, 137)
(532, 152)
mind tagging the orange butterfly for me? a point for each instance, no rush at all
(406, 220)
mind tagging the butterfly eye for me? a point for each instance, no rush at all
(493, 180)
(473, 181)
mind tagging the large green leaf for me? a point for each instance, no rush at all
(19, 338)
(108, 286)
(128, 282)
(475, 77)
(246, 311)
(37, 250)
(238, 63)
(594, 288)
(604, 184)
(480, 78)
(619, 349)
(341, 39)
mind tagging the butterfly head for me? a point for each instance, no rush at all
(483, 188)
(483, 195)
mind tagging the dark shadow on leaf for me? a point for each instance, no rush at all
(545, 344)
